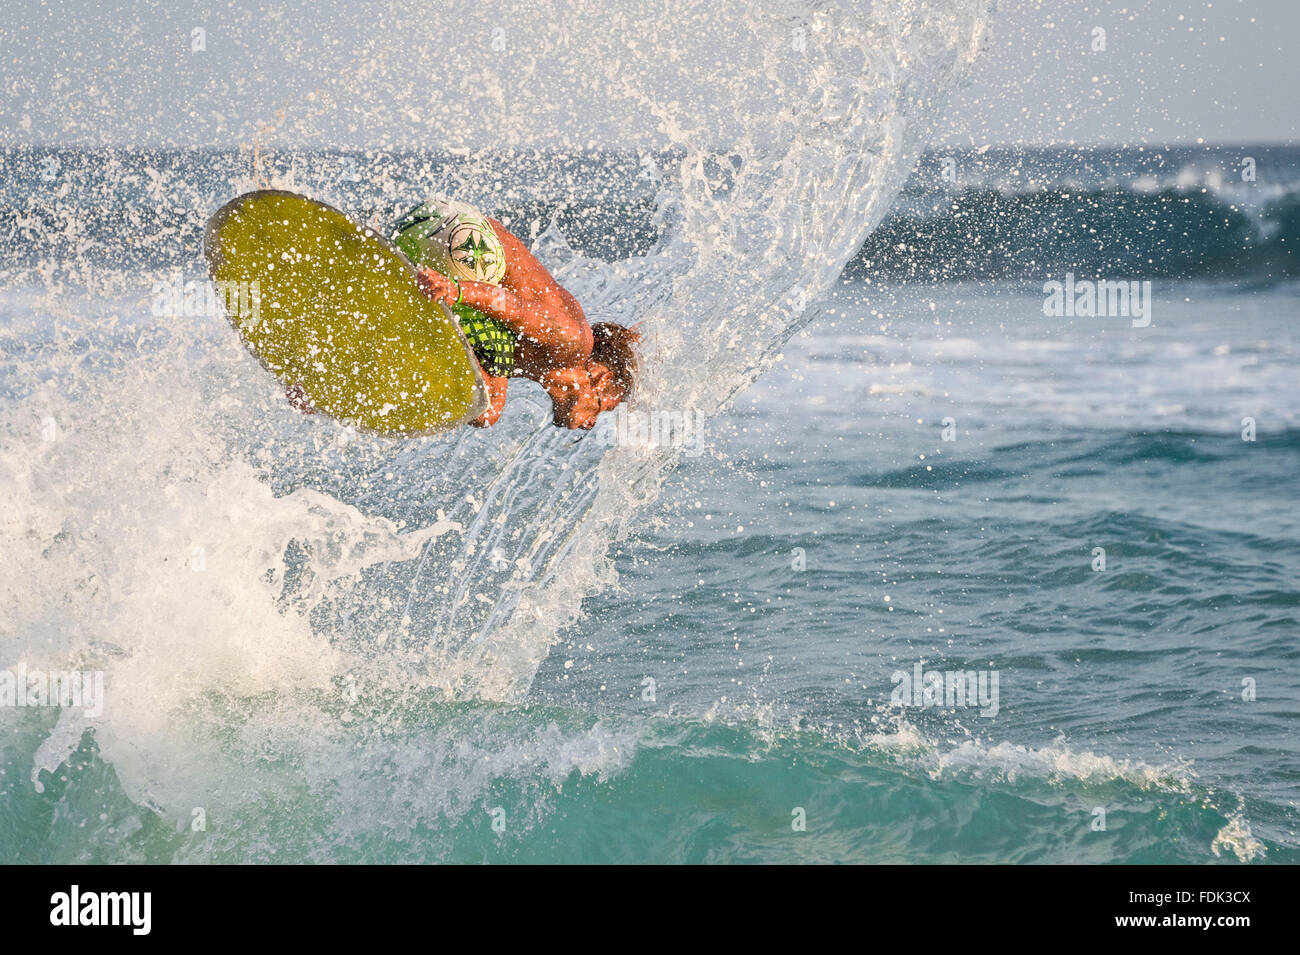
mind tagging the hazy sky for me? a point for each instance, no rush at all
(353, 73)
(1172, 71)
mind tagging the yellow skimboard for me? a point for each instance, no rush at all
(332, 306)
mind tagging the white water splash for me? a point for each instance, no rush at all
(184, 532)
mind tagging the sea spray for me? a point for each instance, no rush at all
(242, 573)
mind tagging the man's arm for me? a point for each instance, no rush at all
(528, 301)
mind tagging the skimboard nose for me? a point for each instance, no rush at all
(332, 307)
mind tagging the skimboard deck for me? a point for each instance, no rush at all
(330, 305)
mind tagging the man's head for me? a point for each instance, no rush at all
(580, 393)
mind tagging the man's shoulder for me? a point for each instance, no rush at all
(505, 235)
(518, 257)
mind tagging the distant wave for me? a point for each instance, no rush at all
(1001, 213)
(1111, 231)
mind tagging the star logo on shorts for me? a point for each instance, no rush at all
(475, 254)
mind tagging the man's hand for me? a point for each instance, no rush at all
(437, 286)
(497, 394)
(299, 400)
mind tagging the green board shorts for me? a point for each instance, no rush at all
(492, 342)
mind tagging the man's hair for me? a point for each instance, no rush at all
(613, 348)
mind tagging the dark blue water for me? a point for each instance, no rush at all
(1119, 688)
